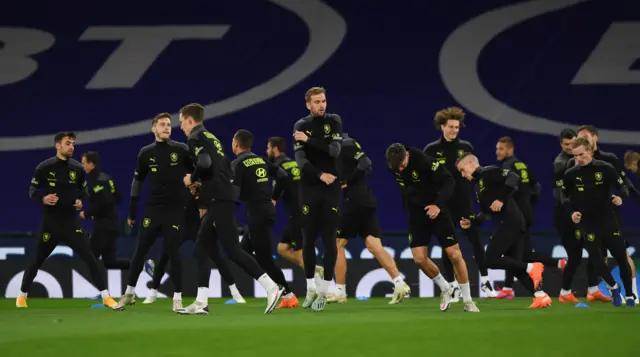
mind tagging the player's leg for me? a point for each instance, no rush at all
(348, 226)
(223, 267)
(173, 230)
(310, 220)
(109, 251)
(46, 242)
(147, 232)
(75, 238)
(290, 245)
(445, 232)
(540, 298)
(634, 281)
(594, 247)
(616, 245)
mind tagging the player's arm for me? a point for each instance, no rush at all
(238, 176)
(334, 144)
(568, 185)
(35, 188)
(363, 165)
(558, 177)
(617, 182)
(443, 178)
(82, 184)
(301, 156)
(280, 178)
(188, 159)
(203, 157)
(139, 175)
(430, 149)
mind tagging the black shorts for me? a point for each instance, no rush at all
(292, 233)
(421, 228)
(357, 221)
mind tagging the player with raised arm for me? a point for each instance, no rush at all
(426, 188)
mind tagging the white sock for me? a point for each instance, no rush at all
(341, 289)
(565, 292)
(397, 281)
(635, 287)
(266, 282)
(23, 294)
(203, 295)
(442, 283)
(288, 296)
(311, 284)
(234, 290)
(455, 284)
(105, 294)
(484, 280)
(507, 289)
(592, 289)
(130, 290)
(539, 293)
(465, 292)
(177, 296)
(153, 293)
(323, 286)
(614, 287)
(529, 267)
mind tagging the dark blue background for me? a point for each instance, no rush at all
(384, 81)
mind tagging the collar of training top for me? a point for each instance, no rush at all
(198, 129)
(278, 160)
(444, 141)
(477, 172)
(244, 154)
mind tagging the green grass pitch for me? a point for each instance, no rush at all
(69, 327)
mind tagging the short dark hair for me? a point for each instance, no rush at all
(567, 133)
(92, 157)
(244, 138)
(507, 140)
(278, 142)
(160, 116)
(582, 142)
(395, 155)
(64, 134)
(451, 113)
(193, 110)
(590, 128)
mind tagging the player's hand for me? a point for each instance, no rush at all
(576, 217)
(195, 189)
(131, 222)
(327, 178)
(496, 206)
(300, 136)
(273, 202)
(202, 211)
(50, 199)
(343, 186)
(616, 200)
(81, 214)
(187, 180)
(432, 211)
(465, 223)
(78, 205)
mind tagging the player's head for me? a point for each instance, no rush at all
(65, 143)
(191, 115)
(504, 148)
(276, 146)
(397, 157)
(242, 141)
(467, 164)
(449, 121)
(90, 161)
(631, 161)
(566, 139)
(582, 150)
(590, 133)
(316, 100)
(161, 126)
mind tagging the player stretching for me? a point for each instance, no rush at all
(495, 189)
(165, 162)
(318, 138)
(528, 188)
(219, 221)
(358, 217)
(588, 194)
(59, 184)
(446, 151)
(290, 245)
(426, 188)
